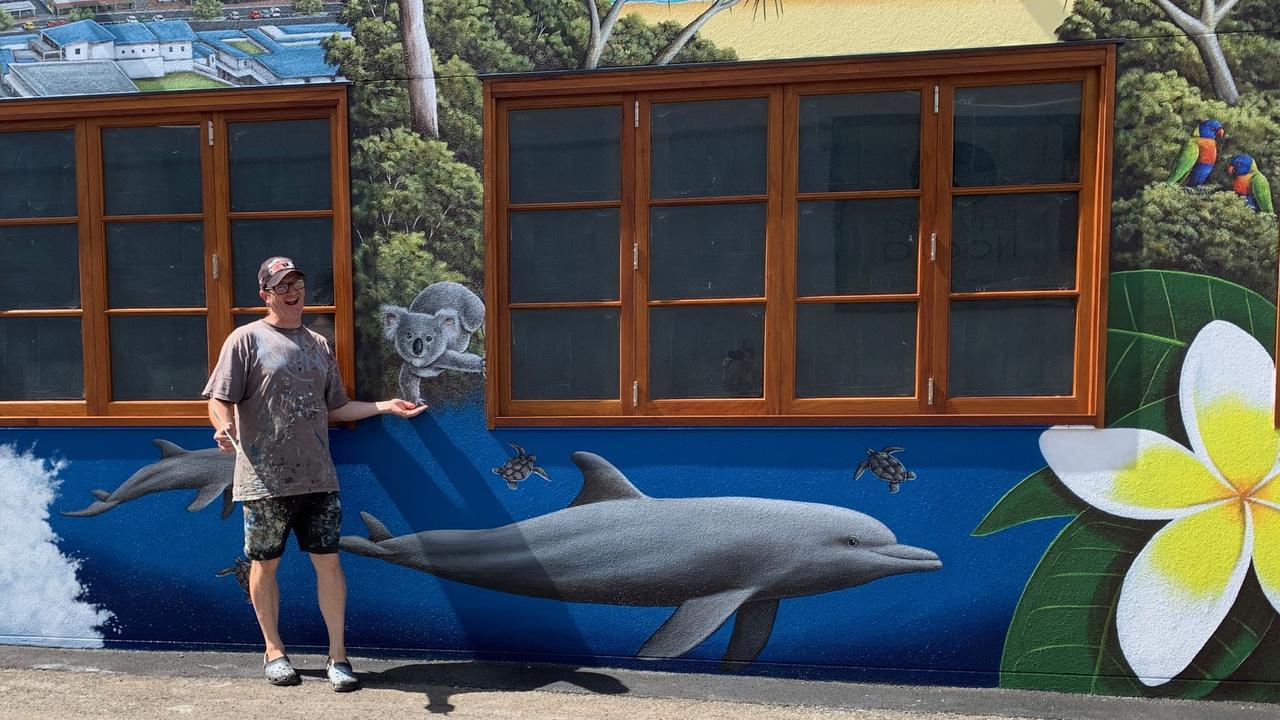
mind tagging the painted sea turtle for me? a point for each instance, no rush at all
(518, 469)
(241, 571)
(886, 467)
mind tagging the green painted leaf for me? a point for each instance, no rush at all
(1040, 495)
(1062, 636)
(1255, 679)
(1232, 647)
(1153, 315)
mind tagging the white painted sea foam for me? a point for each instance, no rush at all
(41, 598)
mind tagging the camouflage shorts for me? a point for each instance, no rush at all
(315, 518)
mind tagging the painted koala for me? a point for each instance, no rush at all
(433, 333)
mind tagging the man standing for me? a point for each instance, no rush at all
(271, 396)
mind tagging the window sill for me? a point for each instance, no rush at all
(103, 420)
(976, 420)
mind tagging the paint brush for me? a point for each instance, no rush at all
(226, 425)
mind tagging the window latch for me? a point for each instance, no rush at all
(215, 266)
(635, 256)
(930, 391)
(635, 393)
(933, 247)
(210, 133)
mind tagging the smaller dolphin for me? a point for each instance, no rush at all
(208, 471)
(710, 558)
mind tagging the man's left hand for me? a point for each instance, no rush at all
(401, 408)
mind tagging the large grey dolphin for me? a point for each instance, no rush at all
(709, 557)
(208, 471)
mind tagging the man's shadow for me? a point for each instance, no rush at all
(441, 681)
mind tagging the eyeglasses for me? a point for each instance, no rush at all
(284, 288)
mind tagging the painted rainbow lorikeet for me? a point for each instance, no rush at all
(1251, 184)
(1196, 160)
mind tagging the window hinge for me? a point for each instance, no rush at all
(930, 391)
(635, 256)
(935, 99)
(210, 133)
(635, 393)
(933, 247)
(636, 116)
(215, 266)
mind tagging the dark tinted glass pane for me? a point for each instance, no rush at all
(158, 358)
(38, 174)
(706, 352)
(564, 255)
(39, 267)
(1017, 134)
(151, 170)
(857, 247)
(318, 322)
(308, 241)
(281, 165)
(860, 141)
(564, 354)
(706, 251)
(1012, 347)
(41, 359)
(856, 350)
(566, 154)
(1013, 242)
(155, 264)
(709, 148)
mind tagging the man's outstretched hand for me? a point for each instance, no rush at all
(400, 408)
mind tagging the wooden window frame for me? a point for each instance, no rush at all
(1092, 64)
(87, 116)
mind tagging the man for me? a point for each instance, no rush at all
(271, 397)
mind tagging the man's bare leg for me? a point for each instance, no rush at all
(331, 591)
(265, 593)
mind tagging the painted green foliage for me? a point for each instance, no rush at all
(1164, 90)
(1062, 633)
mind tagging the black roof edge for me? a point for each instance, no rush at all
(536, 74)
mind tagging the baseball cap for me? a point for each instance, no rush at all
(273, 271)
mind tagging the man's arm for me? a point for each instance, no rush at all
(359, 410)
(222, 415)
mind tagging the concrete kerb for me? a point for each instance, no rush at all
(439, 680)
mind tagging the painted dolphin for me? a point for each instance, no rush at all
(710, 557)
(207, 471)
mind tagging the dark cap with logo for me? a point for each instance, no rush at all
(273, 270)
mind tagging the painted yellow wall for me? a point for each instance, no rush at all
(807, 28)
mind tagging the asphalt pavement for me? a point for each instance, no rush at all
(53, 684)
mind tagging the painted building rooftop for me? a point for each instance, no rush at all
(15, 42)
(74, 78)
(77, 32)
(171, 30)
(131, 33)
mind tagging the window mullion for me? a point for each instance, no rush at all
(97, 352)
(935, 244)
(217, 270)
(780, 251)
(634, 257)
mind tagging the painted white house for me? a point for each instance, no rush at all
(83, 40)
(136, 50)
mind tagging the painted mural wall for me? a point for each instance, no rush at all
(1140, 559)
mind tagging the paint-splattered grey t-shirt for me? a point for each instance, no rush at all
(283, 382)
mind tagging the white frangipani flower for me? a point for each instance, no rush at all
(1219, 497)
